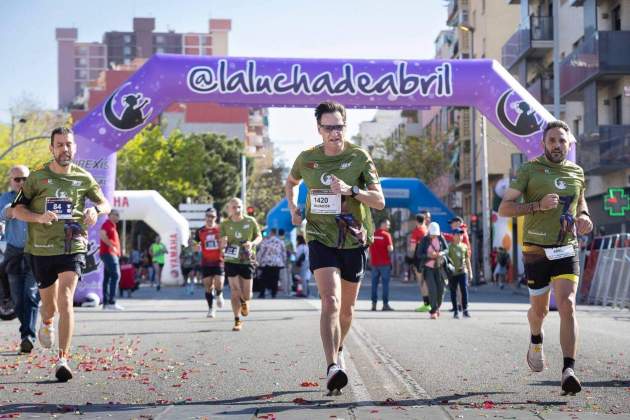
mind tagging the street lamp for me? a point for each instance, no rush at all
(473, 156)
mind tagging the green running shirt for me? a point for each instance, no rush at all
(354, 227)
(540, 177)
(245, 230)
(43, 186)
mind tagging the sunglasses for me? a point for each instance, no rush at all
(331, 128)
(19, 179)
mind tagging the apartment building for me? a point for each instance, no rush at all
(594, 89)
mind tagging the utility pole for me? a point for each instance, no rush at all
(244, 180)
(485, 202)
(556, 58)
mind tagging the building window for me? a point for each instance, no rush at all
(127, 38)
(617, 110)
(159, 39)
(127, 51)
(616, 18)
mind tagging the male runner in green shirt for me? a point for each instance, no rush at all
(52, 201)
(343, 185)
(555, 214)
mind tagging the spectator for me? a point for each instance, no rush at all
(458, 253)
(110, 254)
(187, 261)
(302, 264)
(158, 253)
(272, 257)
(127, 277)
(381, 262)
(431, 258)
(500, 272)
(416, 238)
(21, 282)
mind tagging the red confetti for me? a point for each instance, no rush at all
(300, 401)
(488, 405)
(307, 384)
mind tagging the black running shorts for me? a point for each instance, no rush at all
(540, 271)
(211, 271)
(350, 262)
(245, 271)
(47, 268)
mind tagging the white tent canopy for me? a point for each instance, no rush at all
(150, 207)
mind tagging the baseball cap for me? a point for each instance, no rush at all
(458, 231)
(456, 219)
(211, 210)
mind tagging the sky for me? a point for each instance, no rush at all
(394, 29)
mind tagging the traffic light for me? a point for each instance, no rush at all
(250, 211)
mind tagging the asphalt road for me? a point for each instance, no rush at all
(162, 358)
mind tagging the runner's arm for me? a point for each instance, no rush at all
(20, 212)
(510, 208)
(289, 192)
(583, 221)
(373, 196)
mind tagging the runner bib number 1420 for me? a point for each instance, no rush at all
(325, 202)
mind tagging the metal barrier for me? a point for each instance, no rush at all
(611, 280)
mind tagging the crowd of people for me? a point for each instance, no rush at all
(47, 219)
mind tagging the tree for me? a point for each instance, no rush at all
(414, 157)
(266, 190)
(28, 120)
(204, 167)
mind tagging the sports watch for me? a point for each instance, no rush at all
(355, 190)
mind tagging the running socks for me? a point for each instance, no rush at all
(209, 298)
(537, 339)
(425, 300)
(568, 363)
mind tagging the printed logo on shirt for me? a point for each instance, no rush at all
(345, 165)
(76, 183)
(560, 184)
(326, 179)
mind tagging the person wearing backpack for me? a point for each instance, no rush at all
(431, 258)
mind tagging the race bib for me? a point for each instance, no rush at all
(62, 207)
(560, 252)
(325, 202)
(232, 251)
(211, 243)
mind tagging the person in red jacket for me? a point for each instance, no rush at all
(110, 254)
(422, 222)
(381, 263)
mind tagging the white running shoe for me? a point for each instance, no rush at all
(46, 335)
(116, 307)
(536, 357)
(336, 378)
(62, 370)
(341, 361)
(211, 313)
(570, 383)
(220, 301)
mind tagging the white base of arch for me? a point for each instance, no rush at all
(153, 209)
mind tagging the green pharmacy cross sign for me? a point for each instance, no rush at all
(617, 203)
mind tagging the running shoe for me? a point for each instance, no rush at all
(26, 346)
(341, 361)
(433, 315)
(466, 314)
(373, 306)
(220, 301)
(237, 325)
(570, 383)
(536, 357)
(387, 308)
(62, 370)
(116, 307)
(456, 315)
(423, 308)
(244, 308)
(336, 378)
(46, 335)
(211, 313)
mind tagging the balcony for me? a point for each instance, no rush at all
(607, 151)
(596, 56)
(457, 13)
(541, 88)
(534, 41)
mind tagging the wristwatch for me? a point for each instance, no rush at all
(354, 191)
(98, 211)
(584, 212)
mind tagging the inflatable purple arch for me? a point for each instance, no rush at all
(281, 82)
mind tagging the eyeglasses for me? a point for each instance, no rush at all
(19, 179)
(331, 128)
